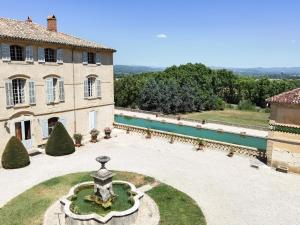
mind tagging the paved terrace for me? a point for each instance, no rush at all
(228, 190)
(213, 126)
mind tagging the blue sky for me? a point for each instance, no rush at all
(230, 33)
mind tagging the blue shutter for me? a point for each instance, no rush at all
(98, 59)
(29, 54)
(84, 57)
(59, 56)
(41, 55)
(86, 89)
(49, 90)
(31, 85)
(61, 90)
(45, 131)
(63, 121)
(98, 88)
(9, 93)
(5, 49)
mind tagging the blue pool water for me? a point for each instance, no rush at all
(256, 142)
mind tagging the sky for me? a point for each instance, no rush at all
(225, 33)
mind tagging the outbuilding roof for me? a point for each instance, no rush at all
(30, 31)
(288, 97)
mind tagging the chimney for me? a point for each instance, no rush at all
(51, 23)
(29, 19)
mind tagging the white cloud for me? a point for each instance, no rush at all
(162, 36)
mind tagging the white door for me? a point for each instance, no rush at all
(23, 132)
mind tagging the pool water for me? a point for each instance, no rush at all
(256, 142)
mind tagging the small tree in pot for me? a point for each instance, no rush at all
(78, 138)
(94, 134)
(107, 132)
(148, 133)
(201, 144)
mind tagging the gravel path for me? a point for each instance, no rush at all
(228, 190)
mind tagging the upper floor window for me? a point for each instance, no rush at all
(55, 90)
(18, 86)
(91, 58)
(16, 53)
(50, 55)
(92, 87)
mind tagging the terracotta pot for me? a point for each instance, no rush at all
(107, 134)
(94, 139)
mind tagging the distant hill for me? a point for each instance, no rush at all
(126, 69)
(269, 71)
(276, 72)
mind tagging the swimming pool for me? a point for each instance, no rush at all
(256, 142)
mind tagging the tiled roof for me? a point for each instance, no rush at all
(288, 97)
(24, 30)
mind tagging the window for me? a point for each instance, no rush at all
(91, 58)
(50, 55)
(16, 53)
(55, 90)
(18, 91)
(91, 86)
(51, 124)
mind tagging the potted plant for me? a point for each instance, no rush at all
(203, 121)
(231, 152)
(148, 133)
(107, 132)
(172, 139)
(94, 134)
(200, 144)
(78, 138)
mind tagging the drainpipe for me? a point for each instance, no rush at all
(74, 100)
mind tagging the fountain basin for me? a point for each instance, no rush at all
(126, 217)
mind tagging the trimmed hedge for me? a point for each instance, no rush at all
(15, 154)
(59, 143)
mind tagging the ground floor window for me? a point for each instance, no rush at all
(51, 124)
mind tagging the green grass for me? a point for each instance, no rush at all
(233, 116)
(175, 207)
(28, 208)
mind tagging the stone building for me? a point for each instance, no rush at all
(283, 149)
(48, 76)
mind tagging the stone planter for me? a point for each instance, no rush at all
(126, 217)
(94, 139)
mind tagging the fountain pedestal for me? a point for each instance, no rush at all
(103, 180)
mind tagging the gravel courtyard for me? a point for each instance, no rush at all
(228, 190)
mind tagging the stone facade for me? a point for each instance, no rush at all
(69, 89)
(283, 148)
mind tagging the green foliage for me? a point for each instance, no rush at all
(15, 155)
(194, 87)
(77, 137)
(59, 143)
(246, 105)
(280, 128)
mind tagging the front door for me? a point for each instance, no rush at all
(23, 132)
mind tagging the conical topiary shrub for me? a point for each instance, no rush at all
(15, 154)
(59, 142)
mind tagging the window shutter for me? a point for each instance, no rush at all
(63, 121)
(59, 56)
(95, 119)
(41, 55)
(32, 99)
(9, 93)
(86, 89)
(45, 131)
(5, 48)
(98, 88)
(49, 90)
(29, 54)
(92, 120)
(84, 57)
(98, 59)
(61, 90)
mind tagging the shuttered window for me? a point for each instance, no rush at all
(18, 86)
(16, 53)
(84, 58)
(92, 120)
(50, 55)
(98, 59)
(59, 56)
(49, 90)
(41, 55)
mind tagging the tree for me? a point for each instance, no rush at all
(15, 155)
(59, 143)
